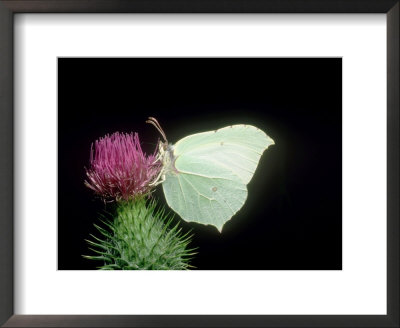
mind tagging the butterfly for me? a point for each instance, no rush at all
(204, 176)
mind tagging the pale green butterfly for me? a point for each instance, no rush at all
(204, 175)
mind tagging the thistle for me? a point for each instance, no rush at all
(141, 238)
(137, 237)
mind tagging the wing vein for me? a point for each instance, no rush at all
(183, 194)
(183, 177)
(242, 156)
(222, 205)
(217, 144)
(205, 176)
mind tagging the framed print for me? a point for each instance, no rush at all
(253, 145)
(182, 102)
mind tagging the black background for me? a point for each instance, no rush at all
(292, 219)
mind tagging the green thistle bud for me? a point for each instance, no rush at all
(141, 238)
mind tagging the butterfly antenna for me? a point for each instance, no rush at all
(154, 122)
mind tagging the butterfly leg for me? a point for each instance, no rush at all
(160, 179)
(162, 158)
(159, 157)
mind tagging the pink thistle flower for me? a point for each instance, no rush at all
(119, 169)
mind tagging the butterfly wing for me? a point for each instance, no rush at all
(211, 170)
(204, 193)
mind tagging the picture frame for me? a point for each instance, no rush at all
(7, 10)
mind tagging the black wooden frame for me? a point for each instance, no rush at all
(7, 10)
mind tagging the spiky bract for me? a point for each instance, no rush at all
(141, 238)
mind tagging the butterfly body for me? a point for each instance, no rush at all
(205, 175)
